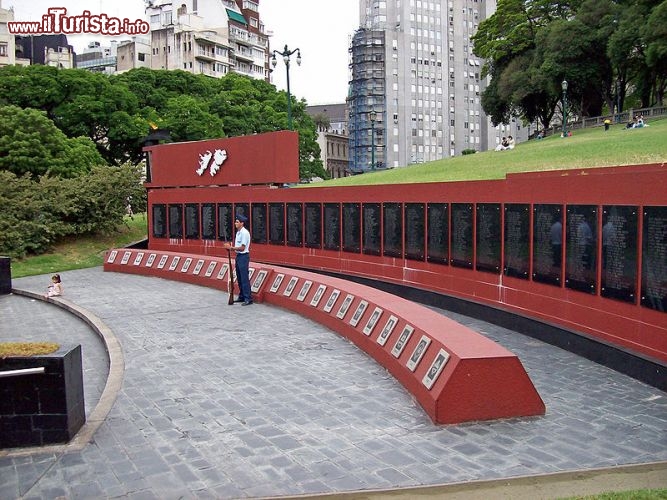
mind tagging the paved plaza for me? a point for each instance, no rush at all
(254, 402)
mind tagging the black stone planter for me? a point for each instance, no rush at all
(46, 408)
(5, 275)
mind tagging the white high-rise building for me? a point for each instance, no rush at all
(210, 37)
(415, 89)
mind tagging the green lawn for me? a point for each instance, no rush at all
(591, 147)
(81, 252)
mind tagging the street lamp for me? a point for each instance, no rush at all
(564, 87)
(373, 116)
(286, 53)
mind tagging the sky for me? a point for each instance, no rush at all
(322, 30)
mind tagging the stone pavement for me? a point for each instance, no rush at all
(231, 402)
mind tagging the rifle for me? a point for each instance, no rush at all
(230, 281)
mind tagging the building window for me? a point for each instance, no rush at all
(251, 6)
(3, 49)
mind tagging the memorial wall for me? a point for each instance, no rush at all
(582, 249)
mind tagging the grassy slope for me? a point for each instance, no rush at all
(591, 147)
(81, 252)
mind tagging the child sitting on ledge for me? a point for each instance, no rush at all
(56, 286)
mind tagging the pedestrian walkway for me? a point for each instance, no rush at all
(231, 402)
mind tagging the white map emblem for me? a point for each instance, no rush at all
(218, 157)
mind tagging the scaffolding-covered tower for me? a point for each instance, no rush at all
(367, 95)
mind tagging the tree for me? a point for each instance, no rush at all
(36, 212)
(509, 41)
(104, 112)
(115, 112)
(322, 122)
(25, 224)
(310, 163)
(603, 48)
(655, 36)
(35, 86)
(188, 119)
(31, 144)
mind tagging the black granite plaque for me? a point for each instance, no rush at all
(208, 221)
(580, 247)
(619, 252)
(461, 246)
(175, 220)
(259, 226)
(295, 224)
(313, 225)
(547, 243)
(392, 232)
(277, 223)
(351, 227)
(488, 239)
(415, 231)
(437, 220)
(517, 240)
(191, 221)
(225, 222)
(371, 228)
(331, 222)
(160, 221)
(243, 209)
(654, 258)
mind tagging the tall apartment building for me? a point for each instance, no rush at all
(415, 83)
(210, 37)
(8, 41)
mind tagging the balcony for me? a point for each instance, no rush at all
(206, 55)
(246, 55)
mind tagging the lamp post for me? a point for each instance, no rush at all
(372, 116)
(286, 53)
(564, 87)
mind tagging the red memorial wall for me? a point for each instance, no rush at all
(584, 250)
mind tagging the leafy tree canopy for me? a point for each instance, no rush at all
(115, 112)
(605, 49)
(31, 144)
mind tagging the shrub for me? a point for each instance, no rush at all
(35, 214)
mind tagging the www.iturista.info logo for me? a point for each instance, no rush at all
(57, 21)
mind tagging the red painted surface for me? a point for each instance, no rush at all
(626, 324)
(480, 381)
(256, 159)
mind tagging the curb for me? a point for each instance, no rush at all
(111, 388)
